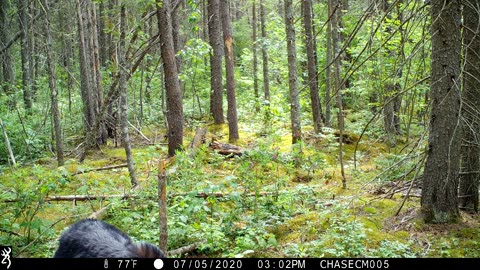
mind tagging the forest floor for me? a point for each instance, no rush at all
(273, 201)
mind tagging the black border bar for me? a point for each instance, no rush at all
(246, 263)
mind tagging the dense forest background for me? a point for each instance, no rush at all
(309, 128)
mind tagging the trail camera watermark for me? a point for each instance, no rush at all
(5, 252)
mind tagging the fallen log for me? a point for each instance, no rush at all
(80, 197)
(226, 149)
(128, 196)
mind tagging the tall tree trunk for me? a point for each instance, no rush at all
(91, 83)
(255, 54)
(391, 98)
(53, 87)
(328, 68)
(336, 17)
(102, 35)
(67, 55)
(440, 178)
(86, 83)
(97, 76)
(34, 66)
(266, 81)
(229, 66)
(122, 84)
(26, 54)
(176, 18)
(174, 93)
(5, 57)
(205, 18)
(312, 65)
(470, 151)
(215, 38)
(292, 73)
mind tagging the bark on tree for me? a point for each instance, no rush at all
(122, 84)
(85, 83)
(97, 76)
(90, 85)
(172, 85)
(215, 38)
(292, 73)
(255, 54)
(53, 87)
(230, 75)
(68, 54)
(440, 179)
(26, 54)
(266, 81)
(176, 18)
(391, 110)
(328, 68)
(336, 17)
(162, 205)
(7, 76)
(102, 35)
(470, 149)
(312, 65)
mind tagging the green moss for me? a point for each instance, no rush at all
(469, 233)
(299, 228)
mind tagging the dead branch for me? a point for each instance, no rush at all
(408, 195)
(9, 232)
(99, 213)
(139, 132)
(224, 195)
(183, 250)
(102, 169)
(80, 197)
(198, 140)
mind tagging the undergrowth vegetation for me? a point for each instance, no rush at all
(259, 204)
